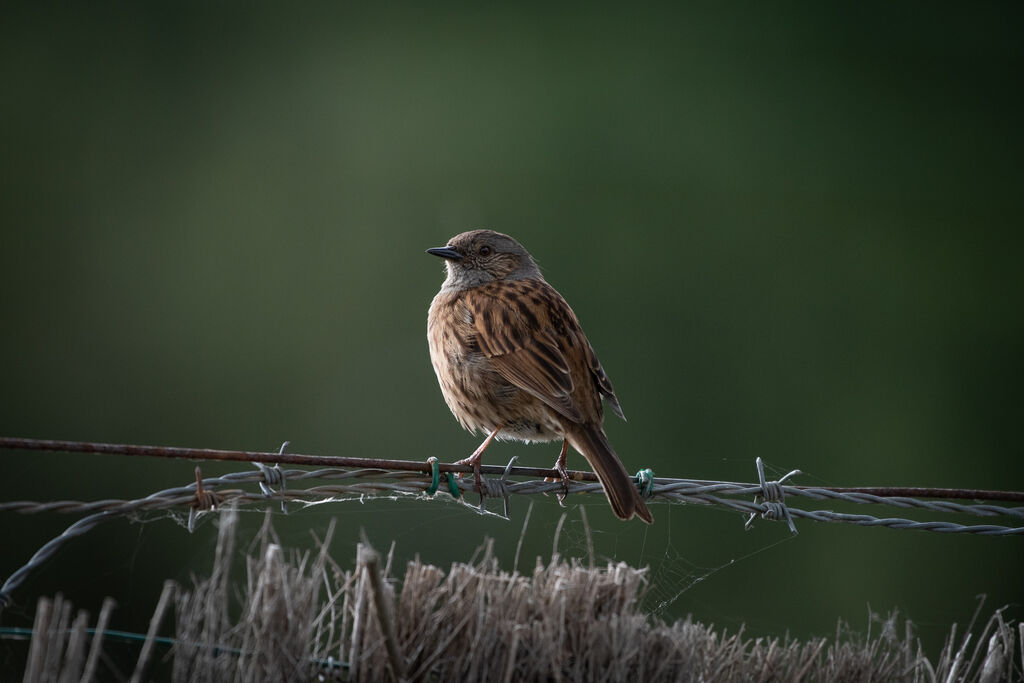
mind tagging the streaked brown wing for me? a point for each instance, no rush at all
(515, 333)
(604, 385)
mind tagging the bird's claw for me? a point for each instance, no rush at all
(563, 472)
(474, 462)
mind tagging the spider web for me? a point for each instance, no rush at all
(675, 560)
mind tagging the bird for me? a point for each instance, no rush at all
(513, 362)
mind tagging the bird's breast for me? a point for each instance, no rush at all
(467, 384)
(478, 396)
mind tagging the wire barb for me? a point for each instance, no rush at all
(772, 499)
(204, 499)
(497, 488)
(273, 476)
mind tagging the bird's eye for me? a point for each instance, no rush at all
(485, 250)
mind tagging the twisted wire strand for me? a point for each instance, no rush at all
(669, 490)
(369, 482)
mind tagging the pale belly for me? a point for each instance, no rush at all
(481, 399)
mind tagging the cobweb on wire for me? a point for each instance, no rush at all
(678, 564)
(676, 558)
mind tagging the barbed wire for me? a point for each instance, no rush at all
(280, 457)
(765, 499)
(682, 491)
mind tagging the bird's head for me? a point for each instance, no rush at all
(477, 257)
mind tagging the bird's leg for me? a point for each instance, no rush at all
(561, 469)
(474, 459)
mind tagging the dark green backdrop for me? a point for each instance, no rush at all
(791, 231)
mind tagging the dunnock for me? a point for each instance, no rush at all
(513, 362)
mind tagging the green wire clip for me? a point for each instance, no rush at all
(453, 486)
(645, 479)
(435, 480)
(435, 476)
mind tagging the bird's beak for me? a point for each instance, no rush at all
(446, 253)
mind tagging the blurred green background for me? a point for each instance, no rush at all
(791, 231)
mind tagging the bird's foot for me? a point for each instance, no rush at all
(559, 467)
(474, 459)
(474, 462)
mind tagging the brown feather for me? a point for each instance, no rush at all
(618, 486)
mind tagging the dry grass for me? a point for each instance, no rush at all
(301, 617)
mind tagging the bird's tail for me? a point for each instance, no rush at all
(625, 500)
